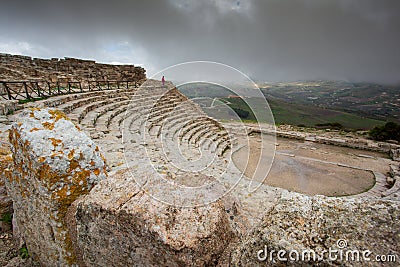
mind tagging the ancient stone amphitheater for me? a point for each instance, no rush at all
(106, 178)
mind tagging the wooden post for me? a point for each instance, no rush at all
(38, 89)
(26, 90)
(49, 86)
(58, 88)
(8, 91)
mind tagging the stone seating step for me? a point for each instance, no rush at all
(69, 106)
(192, 126)
(62, 99)
(79, 113)
(196, 137)
(181, 124)
(202, 126)
(100, 112)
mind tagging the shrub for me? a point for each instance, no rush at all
(23, 252)
(332, 125)
(389, 131)
(241, 113)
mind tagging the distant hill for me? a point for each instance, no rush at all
(289, 107)
(365, 99)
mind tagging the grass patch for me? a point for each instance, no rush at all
(6, 217)
(23, 252)
(24, 101)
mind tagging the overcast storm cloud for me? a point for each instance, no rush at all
(270, 40)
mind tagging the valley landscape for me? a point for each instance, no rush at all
(313, 104)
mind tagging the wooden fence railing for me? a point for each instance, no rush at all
(30, 90)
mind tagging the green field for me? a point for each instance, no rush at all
(296, 114)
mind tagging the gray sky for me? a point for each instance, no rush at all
(270, 40)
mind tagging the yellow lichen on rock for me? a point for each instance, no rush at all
(58, 114)
(71, 154)
(55, 142)
(35, 129)
(54, 163)
(48, 125)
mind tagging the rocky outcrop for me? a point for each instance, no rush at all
(118, 224)
(395, 154)
(393, 180)
(304, 224)
(54, 163)
(8, 107)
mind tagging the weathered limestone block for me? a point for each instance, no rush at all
(54, 163)
(395, 154)
(394, 170)
(8, 106)
(117, 224)
(298, 222)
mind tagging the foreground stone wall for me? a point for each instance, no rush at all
(54, 163)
